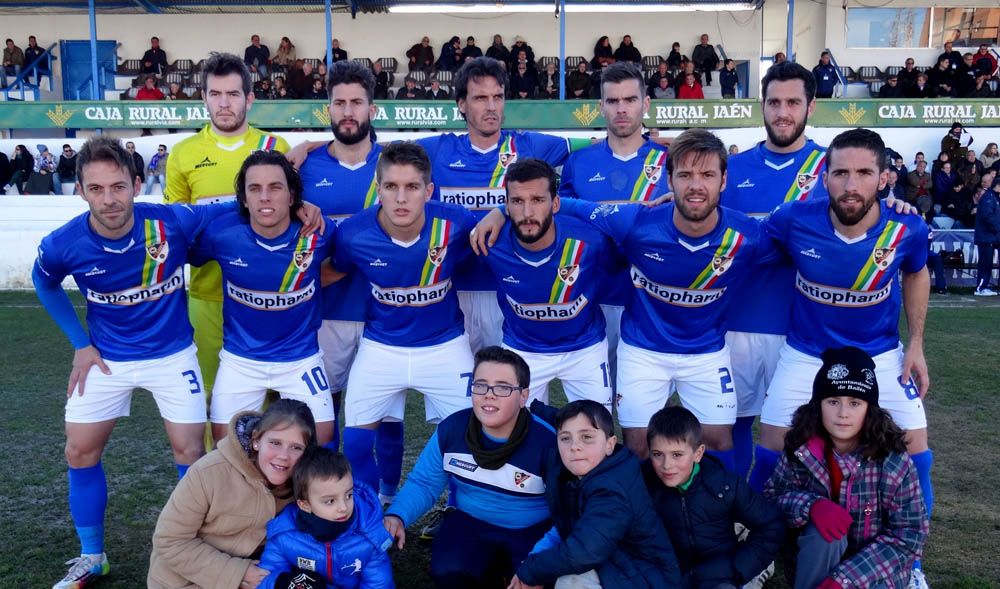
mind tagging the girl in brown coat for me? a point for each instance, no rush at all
(212, 529)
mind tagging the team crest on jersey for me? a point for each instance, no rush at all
(653, 173)
(158, 252)
(883, 257)
(520, 478)
(806, 182)
(506, 159)
(720, 264)
(436, 254)
(569, 274)
(302, 260)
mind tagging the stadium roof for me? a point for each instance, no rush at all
(351, 6)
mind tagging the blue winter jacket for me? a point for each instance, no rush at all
(988, 218)
(355, 560)
(826, 78)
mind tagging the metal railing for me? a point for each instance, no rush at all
(841, 81)
(21, 82)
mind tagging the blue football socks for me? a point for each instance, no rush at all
(88, 500)
(389, 454)
(743, 444)
(765, 461)
(359, 444)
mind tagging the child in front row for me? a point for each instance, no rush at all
(846, 480)
(332, 536)
(606, 533)
(699, 502)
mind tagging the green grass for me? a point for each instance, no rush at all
(37, 534)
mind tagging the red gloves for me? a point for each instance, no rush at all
(831, 520)
(829, 583)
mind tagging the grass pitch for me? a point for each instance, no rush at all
(36, 534)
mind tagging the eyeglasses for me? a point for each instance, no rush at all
(499, 390)
(67, 150)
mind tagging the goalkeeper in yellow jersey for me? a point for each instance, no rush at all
(202, 170)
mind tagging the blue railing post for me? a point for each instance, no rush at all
(562, 49)
(95, 88)
(329, 37)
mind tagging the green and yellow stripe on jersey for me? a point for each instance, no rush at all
(880, 259)
(562, 286)
(506, 156)
(371, 197)
(645, 184)
(299, 264)
(436, 250)
(732, 241)
(156, 251)
(800, 190)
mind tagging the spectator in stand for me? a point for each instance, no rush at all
(987, 238)
(285, 57)
(157, 170)
(990, 156)
(919, 157)
(65, 169)
(918, 184)
(952, 142)
(705, 59)
(958, 202)
(177, 93)
(780, 57)
(40, 180)
(139, 164)
(471, 50)
(337, 53)
(944, 179)
(578, 82)
(521, 45)
(675, 56)
(300, 80)
(687, 67)
(499, 51)
(451, 55)
(149, 91)
(262, 90)
(436, 92)
(969, 169)
(734, 149)
(154, 60)
(604, 55)
(954, 57)
(941, 159)
(5, 172)
(409, 91)
(421, 56)
(935, 264)
(548, 83)
(729, 79)
(908, 75)
(318, 91)
(965, 77)
(521, 58)
(33, 52)
(280, 89)
(690, 89)
(321, 73)
(662, 91)
(941, 79)
(893, 188)
(826, 76)
(985, 61)
(257, 56)
(627, 51)
(891, 88)
(662, 71)
(921, 89)
(381, 81)
(21, 163)
(522, 82)
(900, 169)
(13, 60)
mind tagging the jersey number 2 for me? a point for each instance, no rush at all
(316, 380)
(726, 381)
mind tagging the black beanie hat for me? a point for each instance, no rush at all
(846, 372)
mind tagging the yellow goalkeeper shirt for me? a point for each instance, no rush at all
(202, 170)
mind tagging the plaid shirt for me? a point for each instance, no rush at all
(889, 524)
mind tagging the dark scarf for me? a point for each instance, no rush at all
(321, 529)
(497, 457)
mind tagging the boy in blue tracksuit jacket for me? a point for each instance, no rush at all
(332, 536)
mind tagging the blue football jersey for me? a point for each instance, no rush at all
(340, 191)
(412, 302)
(760, 180)
(474, 179)
(596, 174)
(679, 297)
(134, 286)
(271, 304)
(847, 292)
(549, 298)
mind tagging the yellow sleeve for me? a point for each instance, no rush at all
(279, 145)
(178, 190)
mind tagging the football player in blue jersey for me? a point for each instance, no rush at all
(786, 166)
(408, 248)
(496, 455)
(549, 276)
(625, 167)
(341, 181)
(271, 309)
(852, 255)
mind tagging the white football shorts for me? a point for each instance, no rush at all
(613, 331)
(483, 319)
(755, 358)
(339, 341)
(584, 373)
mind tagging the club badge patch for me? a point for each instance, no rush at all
(436, 254)
(653, 173)
(520, 478)
(883, 257)
(569, 274)
(806, 182)
(303, 260)
(720, 264)
(158, 251)
(506, 159)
